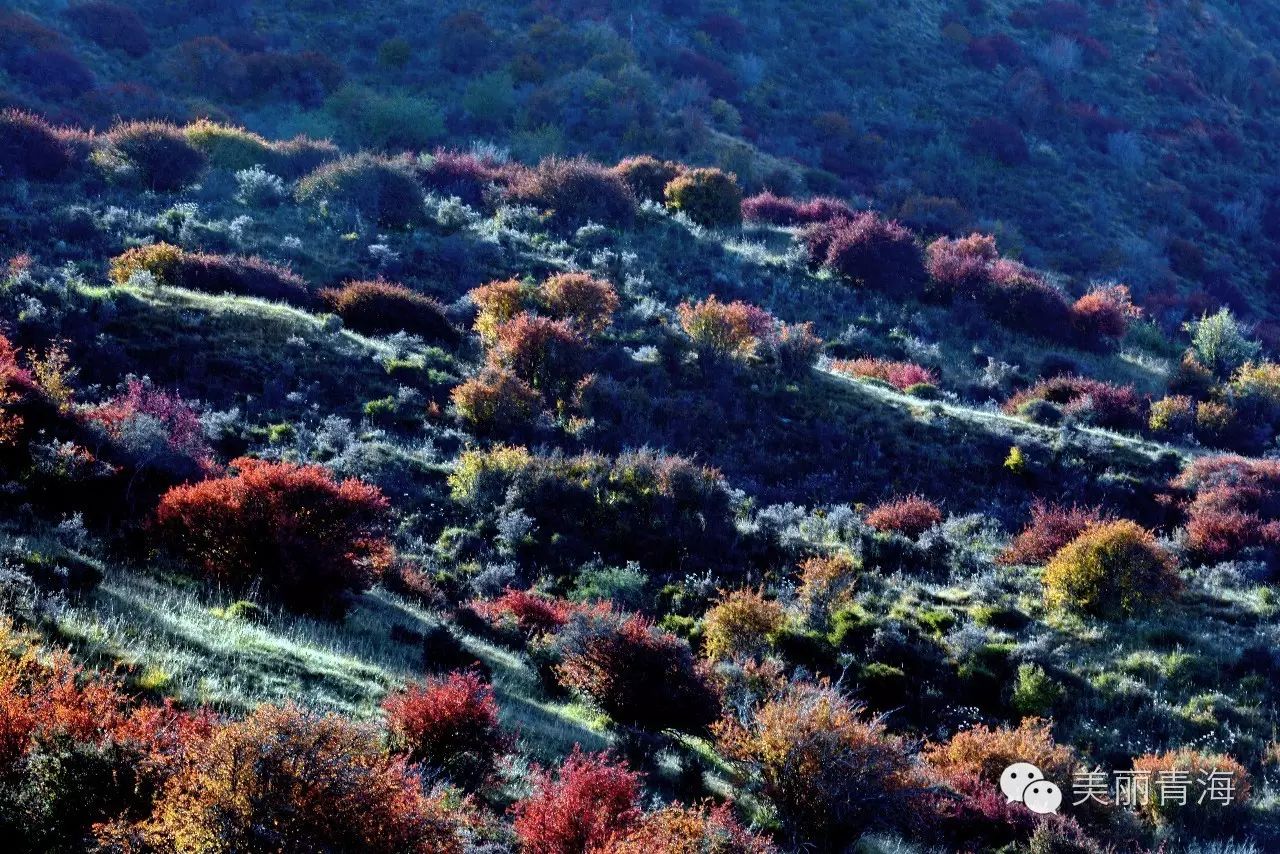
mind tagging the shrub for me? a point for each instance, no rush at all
(910, 516)
(679, 829)
(380, 307)
(233, 274)
(498, 303)
(792, 349)
(1103, 313)
(777, 210)
(585, 302)
(288, 780)
(211, 65)
(496, 402)
(546, 354)
(30, 148)
(461, 175)
(380, 189)
(1194, 768)
(825, 583)
(531, 613)
(709, 197)
(648, 177)
(831, 773)
(179, 423)
(154, 154)
(1112, 569)
(998, 139)
(450, 725)
(742, 625)
(1172, 416)
(732, 330)
(983, 753)
(868, 250)
(161, 260)
(1254, 391)
(111, 25)
(900, 375)
(1021, 299)
(1052, 526)
(292, 529)
(637, 674)
(466, 41)
(961, 266)
(583, 808)
(1094, 401)
(1233, 507)
(230, 148)
(1220, 343)
(576, 191)
(305, 77)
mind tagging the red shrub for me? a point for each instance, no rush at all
(779, 210)
(871, 251)
(998, 139)
(576, 191)
(589, 803)
(1099, 402)
(961, 266)
(180, 423)
(1103, 313)
(647, 176)
(30, 148)
(901, 375)
(547, 354)
(292, 529)
(450, 725)
(720, 79)
(637, 674)
(1051, 527)
(1234, 506)
(688, 830)
(531, 613)
(111, 25)
(233, 274)
(380, 307)
(456, 173)
(910, 516)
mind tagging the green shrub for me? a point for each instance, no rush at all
(1034, 692)
(380, 189)
(709, 197)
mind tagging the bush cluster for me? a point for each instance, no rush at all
(780, 210)
(496, 402)
(1089, 400)
(900, 375)
(380, 307)
(648, 176)
(30, 147)
(382, 190)
(1051, 527)
(235, 149)
(215, 274)
(868, 250)
(1234, 507)
(743, 624)
(588, 803)
(575, 191)
(155, 155)
(450, 725)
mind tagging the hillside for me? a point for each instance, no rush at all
(379, 475)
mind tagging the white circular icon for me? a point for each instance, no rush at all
(1016, 777)
(1042, 796)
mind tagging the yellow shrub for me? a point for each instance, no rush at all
(1171, 415)
(161, 260)
(1112, 569)
(744, 624)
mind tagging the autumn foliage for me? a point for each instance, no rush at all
(450, 725)
(1234, 506)
(378, 307)
(900, 375)
(584, 807)
(585, 302)
(910, 516)
(690, 830)
(1051, 527)
(1111, 569)
(869, 251)
(305, 537)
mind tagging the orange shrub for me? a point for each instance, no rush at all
(689, 830)
(910, 516)
(496, 402)
(984, 752)
(497, 303)
(584, 301)
(1103, 313)
(1111, 569)
(292, 529)
(743, 624)
(1051, 527)
(1194, 768)
(831, 772)
(380, 307)
(725, 329)
(583, 808)
(287, 780)
(450, 725)
(825, 581)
